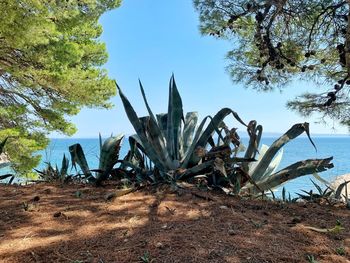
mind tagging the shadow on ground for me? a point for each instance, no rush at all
(75, 223)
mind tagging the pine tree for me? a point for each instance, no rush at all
(276, 41)
(50, 67)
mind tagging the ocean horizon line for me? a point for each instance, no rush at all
(241, 134)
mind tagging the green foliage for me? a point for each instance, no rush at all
(54, 174)
(331, 195)
(20, 147)
(171, 141)
(341, 251)
(261, 176)
(275, 42)
(311, 259)
(146, 258)
(180, 150)
(288, 199)
(109, 154)
(316, 197)
(78, 157)
(50, 67)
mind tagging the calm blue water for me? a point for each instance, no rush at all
(296, 150)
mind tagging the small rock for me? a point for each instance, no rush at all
(160, 245)
(110, 196)
(223, 207)
(164, 226)
(296, 220)
(232, 232)
(36, 198)
(126, 240)
(57, 214)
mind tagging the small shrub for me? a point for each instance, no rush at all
(340, 251)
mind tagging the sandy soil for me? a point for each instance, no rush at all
(75, 223)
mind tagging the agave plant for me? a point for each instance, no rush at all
(173, 142)
(288, 199)
(263, 172)
(330, 194)
(338, 194)
(54, 174)
(325, 194)
(271, 168)
(241, 176)
(179, 149)
(109, 154)
(341, 188)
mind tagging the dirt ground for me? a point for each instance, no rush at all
(75, 223)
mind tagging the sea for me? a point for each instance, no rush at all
(296, 150)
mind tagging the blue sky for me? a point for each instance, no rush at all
(150, 40)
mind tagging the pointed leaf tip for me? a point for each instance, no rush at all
(118, 88)
(307, 131)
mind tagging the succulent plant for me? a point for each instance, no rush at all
(263, 171)
(172, 141)
(333, 194)
(180, 150)
(109, 154)
(54, 174)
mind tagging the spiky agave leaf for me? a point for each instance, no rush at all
(293, 171)
(254, 132)
(5, 176)
(272, 165)
(109, 154)
(134, 156)
(150, 132)
(78, 157)
(319, 189)
(283, 194)
(64, 167)
(157, 158)
(174, 117)
(190, 124)
(340, 188)
(156, 131)
(291, 134)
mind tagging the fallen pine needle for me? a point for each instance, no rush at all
(336, 229)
